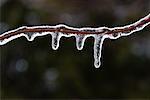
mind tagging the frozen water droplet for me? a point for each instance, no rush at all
(97, 50)
(55, 40)
(114, 35)
(29, 36)
(1, 42)
(80, 39)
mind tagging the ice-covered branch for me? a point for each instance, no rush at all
(81, 34)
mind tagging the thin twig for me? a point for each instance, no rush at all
(69, 30)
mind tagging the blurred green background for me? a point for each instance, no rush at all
(34, 70)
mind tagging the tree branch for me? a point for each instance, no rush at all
(81, 34)
(70, 30)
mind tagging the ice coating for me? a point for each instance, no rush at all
(99, 35)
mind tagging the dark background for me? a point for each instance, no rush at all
(34, 70)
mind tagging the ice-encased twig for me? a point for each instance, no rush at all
(81, 34)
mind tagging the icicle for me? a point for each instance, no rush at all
(80, 39)
(97, 50)
(29, 36)
(55, 40)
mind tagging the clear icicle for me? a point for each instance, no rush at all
(29, 36)
(80, 39)
(97, 50)
(55, 40)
